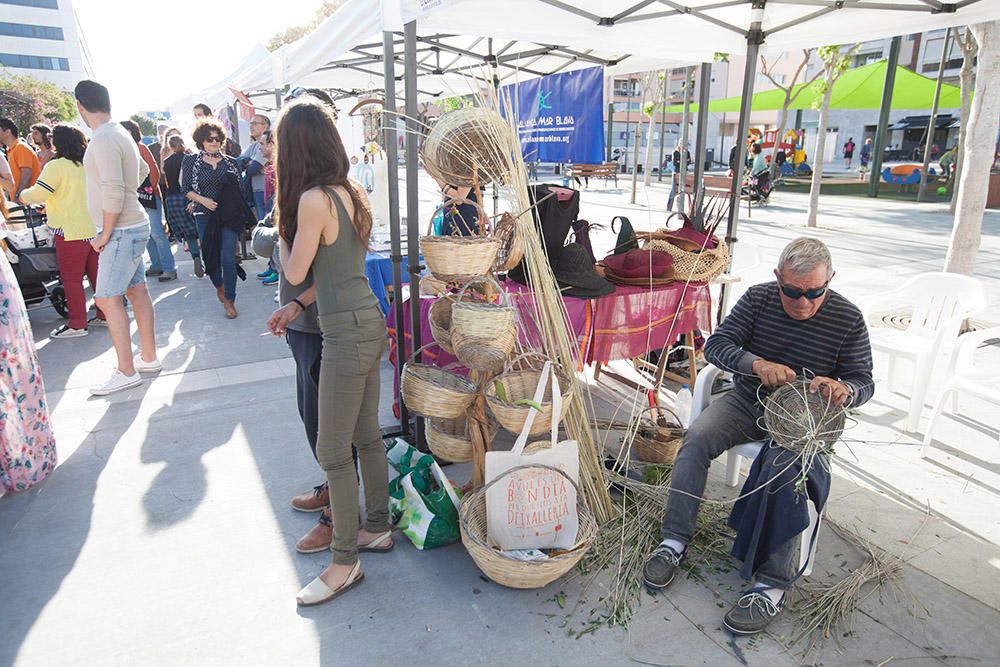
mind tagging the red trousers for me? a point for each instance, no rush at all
(76, 259)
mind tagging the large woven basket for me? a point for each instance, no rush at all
(449, 439)
(457, 259)
(507, 570)
(482, 333)
(464, 142)
(520, 385)
(439, 318)
(696, 267)
(430, 391)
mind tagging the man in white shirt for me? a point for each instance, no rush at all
(114, 171)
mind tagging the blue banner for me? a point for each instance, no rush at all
(560, 117)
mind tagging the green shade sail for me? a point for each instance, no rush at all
(858, 88)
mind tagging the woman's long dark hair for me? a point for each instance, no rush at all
(69, 142)
(309, 153)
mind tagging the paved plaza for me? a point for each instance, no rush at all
(165, 537)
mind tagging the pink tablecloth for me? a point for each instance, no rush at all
(625, 324)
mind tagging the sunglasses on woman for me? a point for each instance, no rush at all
(213, 140)
(794, 293)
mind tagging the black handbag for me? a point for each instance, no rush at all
(145, 194)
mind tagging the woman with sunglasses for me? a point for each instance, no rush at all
(203, 177)
(324, 222)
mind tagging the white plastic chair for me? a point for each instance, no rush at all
(700, 399)
(940, 302)
(746, 257)
(965, 376)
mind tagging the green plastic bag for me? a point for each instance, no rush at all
(422, 501)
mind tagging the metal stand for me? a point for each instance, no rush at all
(701, 130)
(875, 176)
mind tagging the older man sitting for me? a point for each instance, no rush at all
(776, 331)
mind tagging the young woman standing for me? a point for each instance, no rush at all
(324, 222)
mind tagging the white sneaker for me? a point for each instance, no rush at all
(97, 322)
(147, 366)
(116, 382)
(66, 331)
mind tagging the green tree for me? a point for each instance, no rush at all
(27, 100)
(325, 10)
(146, 124)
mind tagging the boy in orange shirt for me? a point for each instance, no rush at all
(24, 164)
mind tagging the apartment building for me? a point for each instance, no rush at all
(42, 38)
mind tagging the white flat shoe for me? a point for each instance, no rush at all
(374, 546)
(317, 592)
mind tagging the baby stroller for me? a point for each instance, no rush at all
(758, 187)
(32, 254)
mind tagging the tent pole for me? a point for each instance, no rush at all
(392, 158)
(611, 124)
(755, 37)
(663, 118)
(412, 198)
(685, 149)
(932, 121)
(701, 134)
(875, 176)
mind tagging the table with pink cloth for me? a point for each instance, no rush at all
(625, 324)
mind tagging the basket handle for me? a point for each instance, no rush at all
(418, 351)
(524, 355)
(503, 299)
(522, 438)
(579, 494)
(482, 220)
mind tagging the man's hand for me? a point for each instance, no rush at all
(280, 318)
(837, 392)
(101, 241)
(771, 374)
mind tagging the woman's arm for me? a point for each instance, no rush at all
(314, 214)
(46, 185)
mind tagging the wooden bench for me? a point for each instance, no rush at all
(607, 171)
(716, 185)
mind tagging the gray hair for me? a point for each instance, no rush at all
(803, 255)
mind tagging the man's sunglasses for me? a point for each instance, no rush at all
(814, 293)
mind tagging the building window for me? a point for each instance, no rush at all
(34, 62)
(626, 88)
(44, 4)
(863, 59)
(30, 31)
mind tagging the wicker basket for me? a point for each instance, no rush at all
(661, 447)
(449, 439)
(458, 259)
(483, 334)
(506, 570)
(696, 267)
(511, 250)
(439, 318)
(519, 385)
(430, 391)
(460, 145)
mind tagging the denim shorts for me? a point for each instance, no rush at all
(120, 264)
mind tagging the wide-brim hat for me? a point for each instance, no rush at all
(641, 263)
(575, 273)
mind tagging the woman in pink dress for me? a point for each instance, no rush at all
(27, 446)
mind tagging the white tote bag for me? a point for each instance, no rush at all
(534, 508)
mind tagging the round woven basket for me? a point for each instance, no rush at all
(662, 447)
(449, 439)
(801, 421)
(483, 334)
(460, 144)
(520, 385)
(457, 259)
(439, 318)
(696, 267)
(511, 250)
(506, 570)
(430, 391)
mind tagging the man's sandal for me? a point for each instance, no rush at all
(317, 592)
(374, 546)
